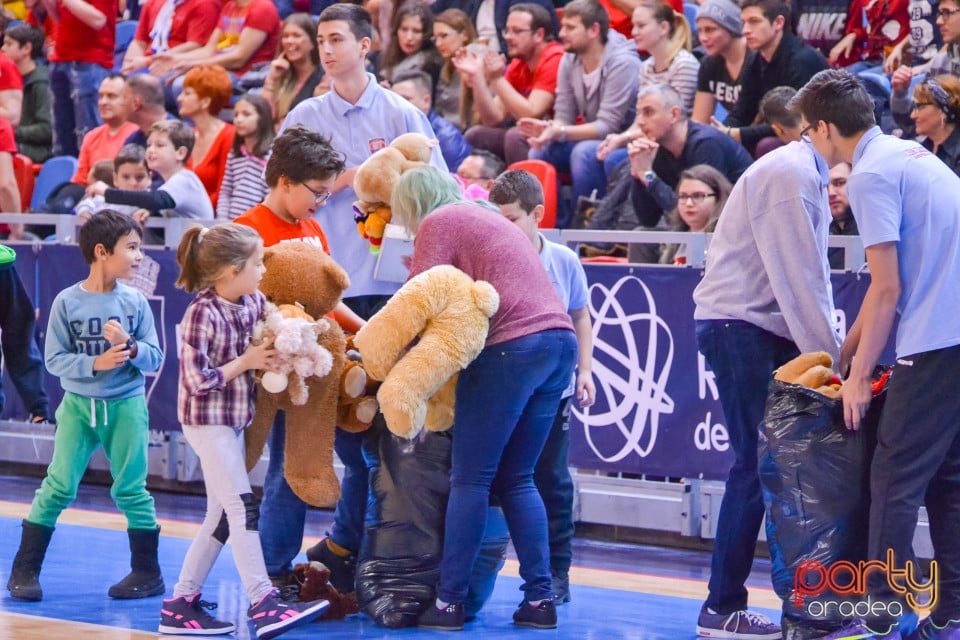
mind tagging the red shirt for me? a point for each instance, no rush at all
(74, 41)
(10, 78)
(260, 15)
(193, 21)
(274, 229)
(211, 167)
(8, 145)
(542, 77)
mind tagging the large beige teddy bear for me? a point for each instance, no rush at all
(300, 273)
(430, 330)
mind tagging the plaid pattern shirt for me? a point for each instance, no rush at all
(212, 333)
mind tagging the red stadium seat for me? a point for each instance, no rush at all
(23, 171)
(547, 175)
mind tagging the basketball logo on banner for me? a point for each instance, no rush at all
(631, 364)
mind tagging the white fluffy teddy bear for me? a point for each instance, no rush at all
(294, 335)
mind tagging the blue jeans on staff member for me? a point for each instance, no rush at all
(75, 88)
(742, 357)
(506, 402)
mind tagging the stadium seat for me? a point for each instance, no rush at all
(547, 175)
(690, 12)
(124, 35)
(23, 172)
(55, 172)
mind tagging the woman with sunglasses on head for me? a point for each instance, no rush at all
(936, 108)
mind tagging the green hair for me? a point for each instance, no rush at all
(421, 191)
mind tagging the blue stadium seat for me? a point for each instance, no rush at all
(124, 35)
(690, 12)
(54, 172)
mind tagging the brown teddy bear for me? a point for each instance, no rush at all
(358, 394)
(813, 370)
(313, 579)
(376, 178)
(298, 272)
(448, 314)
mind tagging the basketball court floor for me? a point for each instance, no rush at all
(619, 591)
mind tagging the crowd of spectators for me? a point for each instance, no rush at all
(556, 81)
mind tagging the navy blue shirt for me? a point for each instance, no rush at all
(453, 146)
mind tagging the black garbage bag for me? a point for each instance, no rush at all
(815, 476)
(399, 559)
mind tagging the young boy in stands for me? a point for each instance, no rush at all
(129, 172)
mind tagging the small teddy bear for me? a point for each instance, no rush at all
(294, 333)
(313, 579)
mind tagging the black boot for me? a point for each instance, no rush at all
(144, 579)
(24, 582)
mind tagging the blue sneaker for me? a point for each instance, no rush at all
(272, 616)
(858, 630)
(929, 631)
(739, 625)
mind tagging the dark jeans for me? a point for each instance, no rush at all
(917, 460)
(19, 347)
(282, 513)
(505, 142)
(742, 357)
(506, 401)
(74, 87)
(553, 480)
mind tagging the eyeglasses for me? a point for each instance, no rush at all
(920, 105)
(946, 13)
(319, 197)
(805, 132)
(694, 198)
(515, 32)
(443, 36)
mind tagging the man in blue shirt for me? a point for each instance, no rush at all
(359, 117)
(904, 200)
(416, 87)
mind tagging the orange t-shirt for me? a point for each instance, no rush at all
(274, 229)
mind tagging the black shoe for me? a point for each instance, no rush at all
(286, 583)
(343, 569)
(543, 616)
(561, 589)
(144, 579)
(449, 618)
(24, 582)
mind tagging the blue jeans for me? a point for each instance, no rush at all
(283, 514)
(18, 344)
(75, 87)
(506, 402)
(580, 160)
(742, 357)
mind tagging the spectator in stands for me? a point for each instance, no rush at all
(666, 35)
(596, 87)
(23, 44)
(18, 344)
(936, 109)
(490, 17)
(873, 27)
(103, 142)
(843, 223)
(525, 88)
(411, 47)
(243, 186)
(416, 88)
(128, 171)
(452, 30)
(11, 85)
(144, 102)
(776, 111)
(701, 195)
(246, 34)
(182, 195)
(206, 92)
(166, 26)
(922, 42)
(81, 57)
(720, 31)
(295, 72)
(668, 143)
(621, 12)
(480, 168)
(764, 298)
(782, 60)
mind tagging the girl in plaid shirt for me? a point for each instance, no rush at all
(223, 266)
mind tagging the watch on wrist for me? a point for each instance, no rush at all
(649, 176)
(131, 343)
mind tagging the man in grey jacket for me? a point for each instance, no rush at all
(765, 298)
(596, 86)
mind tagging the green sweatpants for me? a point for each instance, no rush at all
(83, 425)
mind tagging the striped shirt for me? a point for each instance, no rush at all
(243, 185)
(681, 75)
(212, 333)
